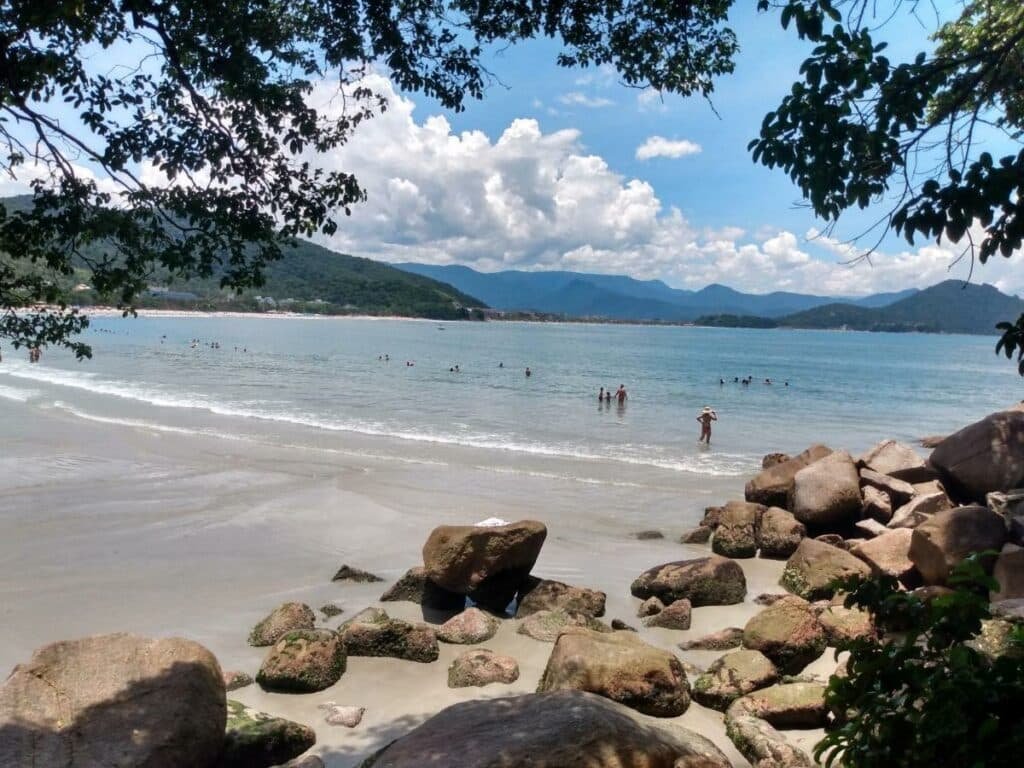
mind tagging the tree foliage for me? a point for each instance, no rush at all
(924, 694)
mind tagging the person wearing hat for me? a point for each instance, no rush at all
(705, 417)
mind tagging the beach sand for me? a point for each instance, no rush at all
(106, 527)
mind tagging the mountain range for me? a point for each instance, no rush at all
(617, 297)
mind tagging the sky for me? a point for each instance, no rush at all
(569, 169)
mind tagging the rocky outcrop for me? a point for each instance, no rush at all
(983, 457)
(620, 667)
(898, 491)
(947, 538)
(254, 739)
(787, 632)
(673, 616)
(889, 554)
(487, 563)
(919, 509)
(303, 661)
(780, 533)
(287, 617)
(470, 626)
(1009, 573)
(415, 587)
(772, 486)
(733, 675)
(548, 730)
(547, 595)
(479, 667)
(722, 640)
(826, 493)
(348, 573)
(737, 531)
(788, 705)
(813, 567)
(711, 580)
(546, 626)
(897, 460)
(116, 701)
(381, 635)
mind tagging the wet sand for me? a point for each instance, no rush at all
(107, 527)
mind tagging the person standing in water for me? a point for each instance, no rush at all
(621, 395)
(706, 416)
(600, 395)
(529, 373)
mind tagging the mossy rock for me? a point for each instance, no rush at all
(254, 739)
(303, 662)
(287, 617)
(787, 632)
(380, 635)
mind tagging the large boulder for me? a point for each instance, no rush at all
(488, 563)
(711, 580)
(889, 554)
(304, 661)
(380, 635)
(254, 739)
(480, 666)
(788, 705)
(548, 730)
(813, 567)
(949, 537)
(546, 626)
(772, 486)
(780, 533)
(919, 509)
(1009, 573)
(787, 632)
(733, 675)
(897, 460)
(547, 595)
(470, 626)
(844, 625)
(116, 701)
(826, 494)
(286, 618)
(985, 456)
(899, 492)
(736, 534)
(620, 667)
(415, 587)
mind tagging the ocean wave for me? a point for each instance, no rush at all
(710, 464)
(17, 395)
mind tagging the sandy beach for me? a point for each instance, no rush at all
(114, 528)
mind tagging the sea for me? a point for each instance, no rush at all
(389, 386)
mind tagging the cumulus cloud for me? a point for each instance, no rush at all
(579, 99)
(659, 146)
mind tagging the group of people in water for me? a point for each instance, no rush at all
(747, 380)
(605, 395)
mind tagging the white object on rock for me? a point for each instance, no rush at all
(491, 522)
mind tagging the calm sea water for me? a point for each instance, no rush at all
(314, 377)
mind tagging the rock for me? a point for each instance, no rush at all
(1010, 610)
(810, 570)
(234, 680)
(711, 580)
(347, 716)
(348, 573)
(787, 632)
(732, 676)
(876, 506)
(650, 607)
(770, 598)
(889, 554)
(488, 564)
(985, 456)
(949, 537)
(1010, 505)
(470, 626)
(620, 667)
(843, 625)
(648, 535)
(736, 534)
(286, 618)
(367, 615)
(547, 625)
(870, 528)
(675, 616)
(780, 533)
(548, 595)
(833, 540)
(773, 485)
(919, 509)
(923, 489)
(895, 459)
(548, 730)
(722, 640)
(330, 610)
(255, 739)
(788, 705)
(712, 515)
(479, 667)
(699, 535)
(393, 638)
(899, 492)
(303, 661)
(996, 640)
(762, 745)
(826, 493)
(620, 626)
(415, 587)
(306, 761)
(771, 459)
(931, 441)
(116, 701)
(1009, 573)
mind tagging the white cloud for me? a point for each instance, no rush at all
(659, 146)
(651, 99)
(578, 99)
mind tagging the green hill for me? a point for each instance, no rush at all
(948, 307)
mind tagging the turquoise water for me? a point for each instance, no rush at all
(323, 376)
